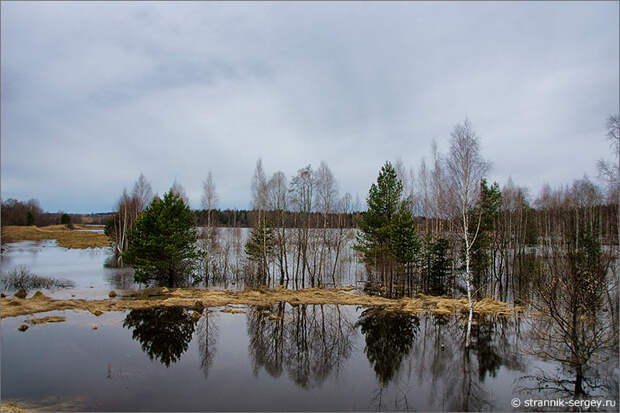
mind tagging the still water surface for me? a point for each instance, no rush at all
(277, 358)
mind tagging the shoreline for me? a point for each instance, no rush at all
(67, 238)
(199, 299)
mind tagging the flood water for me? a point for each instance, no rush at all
(277, 358)
(85, 267)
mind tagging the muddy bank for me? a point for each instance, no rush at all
(67, 238)
(194, 298)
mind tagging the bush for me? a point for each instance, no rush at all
(22, 278)
(162, 245)
(65, 219)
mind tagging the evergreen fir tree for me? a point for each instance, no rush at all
(260, 246)
(488, 209)
(162, 245)
(387, 239)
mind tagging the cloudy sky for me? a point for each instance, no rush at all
(93, 93)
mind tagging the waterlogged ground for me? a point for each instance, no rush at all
(276, 358)
(281, 357)
(85, 267)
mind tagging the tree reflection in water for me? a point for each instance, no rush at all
(420, 361)
(207, 337)
(586, 367)
(309, 342)
(389, 337)
(425, 357)
(163, 332)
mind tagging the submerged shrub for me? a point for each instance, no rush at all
(22, 278)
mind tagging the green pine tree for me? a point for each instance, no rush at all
(162, 245)
(488, 209)
(65, 219)
(388, 239)
(440, 265)
(29, 218)
(260, 246)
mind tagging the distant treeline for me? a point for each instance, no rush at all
(16, 212)
(248, 218)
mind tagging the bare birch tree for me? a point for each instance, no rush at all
(277, 189)
(128, 209)
(438, 193)
(178, 189)
(326, 193)
(424, 197)
(259, 199)
(466, 168)
(209, 200)
(301, 194)
(143, 192)
(610, 170)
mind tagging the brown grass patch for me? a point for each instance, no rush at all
(66, 237)
(12, 407)
(52, 403)
(193, 298)
(45, 320)
(232, 311)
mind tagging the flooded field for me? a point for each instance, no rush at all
(262, 358)
(280, 357)
(85, 267)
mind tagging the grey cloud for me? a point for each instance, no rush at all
(95, 93)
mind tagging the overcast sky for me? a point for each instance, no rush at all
(93, 94)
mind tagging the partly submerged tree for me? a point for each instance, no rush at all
(488, 210)
(209, 234)
(571, 292)
(435, 265)
(129, 206)
(162, 245)
(388, 239)
(260, 248)
(466, 168)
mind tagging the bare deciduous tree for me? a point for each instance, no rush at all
(143, 192)
(424, 203)
(466, 168)
(277, 202)
(259, 198)
(178, 189)
(326, 193)
(209, 201)
(128, 209)
(301, 192)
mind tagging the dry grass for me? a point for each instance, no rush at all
(45, 320)
(194, 298)
(12, 407)
(66, 237)
(232, 311)
(51, 403)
